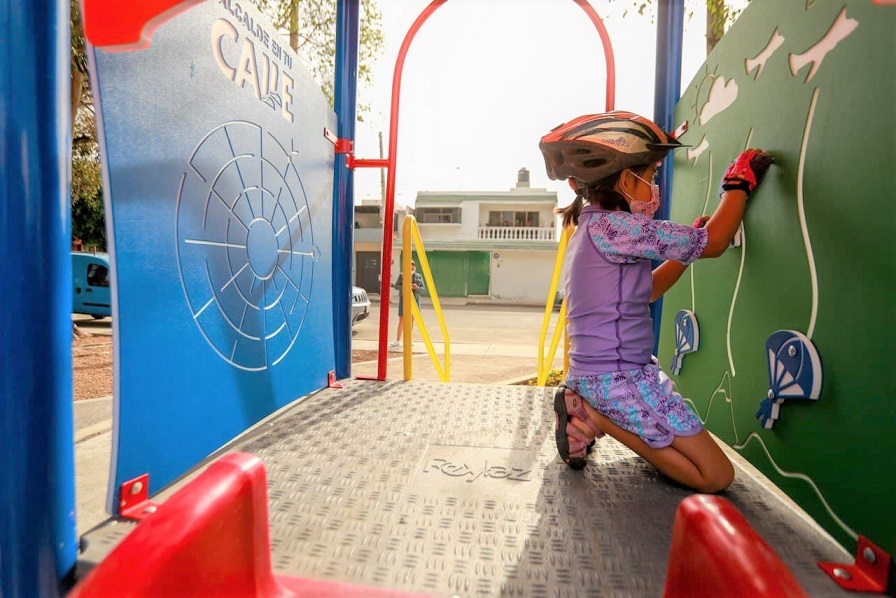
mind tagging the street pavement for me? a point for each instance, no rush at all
(489, 343)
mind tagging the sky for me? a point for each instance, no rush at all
(483, 80)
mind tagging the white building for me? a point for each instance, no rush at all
(368, 242)
(495, 244)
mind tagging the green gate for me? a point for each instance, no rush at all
(458, 273)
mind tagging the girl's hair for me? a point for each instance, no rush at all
(602, 193)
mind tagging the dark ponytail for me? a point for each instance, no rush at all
(602, 193)
(571, 212)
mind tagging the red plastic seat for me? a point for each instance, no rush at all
(209, 539)
(716, 552)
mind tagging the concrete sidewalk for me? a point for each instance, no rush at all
(488, 349)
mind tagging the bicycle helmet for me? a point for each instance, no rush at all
(592, 147)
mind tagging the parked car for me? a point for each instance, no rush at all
(91, 294)
(360, 305)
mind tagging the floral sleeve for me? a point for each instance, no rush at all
(623, 238)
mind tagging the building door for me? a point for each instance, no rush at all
(478, 273)
(367, 271)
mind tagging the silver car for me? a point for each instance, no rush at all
(360, 305)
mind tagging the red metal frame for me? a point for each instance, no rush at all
(134, 500)
(390, 163)
(111, 25)
(332, 382)
(870, 572)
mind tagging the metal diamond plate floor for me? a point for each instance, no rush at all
(457, 490)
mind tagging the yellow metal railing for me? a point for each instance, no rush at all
(410, 232)
(544, 364)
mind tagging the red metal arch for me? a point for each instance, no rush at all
(390, 161)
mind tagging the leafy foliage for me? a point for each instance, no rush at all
(87, 204)
(719, 16)
(311, 25)
(555, 378)
(88, 221)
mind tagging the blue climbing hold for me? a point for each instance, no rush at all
(794, 373)
(687, 337)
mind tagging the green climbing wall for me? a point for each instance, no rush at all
(813, 82)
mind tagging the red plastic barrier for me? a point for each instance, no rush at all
(127, 26)
(209, 539)
(715, 552)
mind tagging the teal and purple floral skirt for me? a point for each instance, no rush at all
(641, 401)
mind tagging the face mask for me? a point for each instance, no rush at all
(643, 207)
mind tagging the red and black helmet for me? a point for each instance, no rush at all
(592, 147)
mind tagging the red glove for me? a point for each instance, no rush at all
(747, 171)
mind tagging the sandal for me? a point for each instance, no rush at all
(573, 445)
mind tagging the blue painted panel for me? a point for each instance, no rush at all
(219, 187)
(38, 544)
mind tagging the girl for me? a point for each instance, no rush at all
(611, 160)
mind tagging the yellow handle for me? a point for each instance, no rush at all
(410, 231)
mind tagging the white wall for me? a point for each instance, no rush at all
(442, 232)
(520, 275)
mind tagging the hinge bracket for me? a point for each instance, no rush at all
(134, 501)
(870, 572)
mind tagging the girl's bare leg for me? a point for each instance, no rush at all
(694, 461)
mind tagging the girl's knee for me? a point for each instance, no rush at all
(718, 480)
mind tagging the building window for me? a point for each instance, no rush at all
(438, 215)
(513, 218)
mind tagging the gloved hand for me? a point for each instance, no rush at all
(746, 172)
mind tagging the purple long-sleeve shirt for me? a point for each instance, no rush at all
(609, 284)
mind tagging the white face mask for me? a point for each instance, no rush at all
(647, 208)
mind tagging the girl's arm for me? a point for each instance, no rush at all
(720, 229)
(723, 224)
(741, 178)
(664, 276)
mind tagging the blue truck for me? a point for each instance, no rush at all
(91, 293)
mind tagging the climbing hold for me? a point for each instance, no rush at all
(687, 337)
(794, 373)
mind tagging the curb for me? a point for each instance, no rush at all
(518, 381)
(94, 430)
(458, 301)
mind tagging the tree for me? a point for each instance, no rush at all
(311, 25)
(720, 15)
(87, 202)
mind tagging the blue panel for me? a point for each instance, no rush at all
(667, 90)
(37, 489)
(220, 190)
(347, 19)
